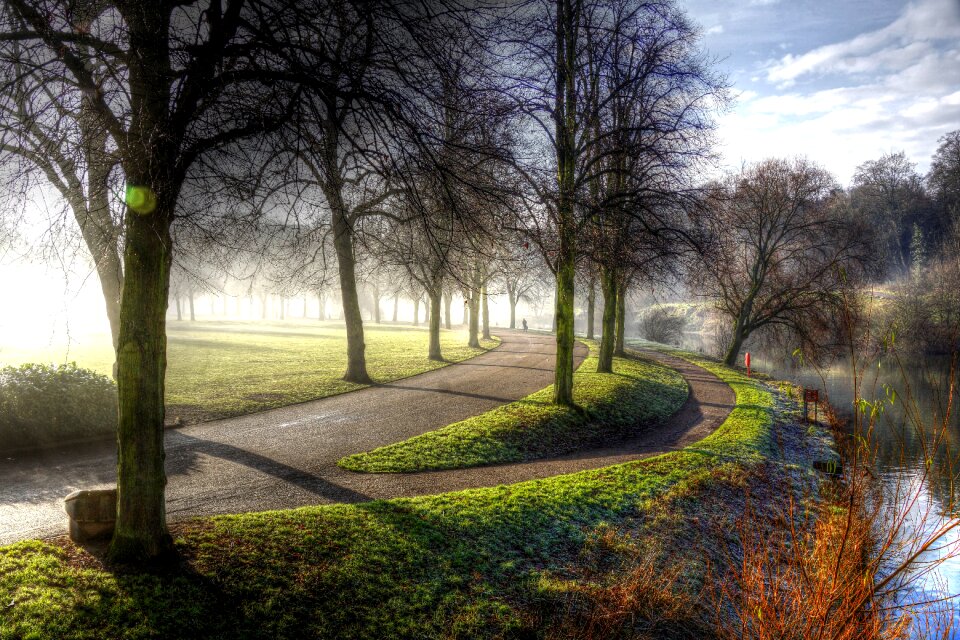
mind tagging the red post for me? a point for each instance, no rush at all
(747, 360)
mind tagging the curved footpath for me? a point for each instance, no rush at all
(287, 457)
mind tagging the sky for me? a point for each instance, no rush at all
(838, 81)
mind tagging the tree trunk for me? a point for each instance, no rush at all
(376, 305)
(141, 526)
(416, 311)
(435, 353)
(426, 310)
(396, 305)
(263, 306)
(591, 306)
(608, 283)
(513, 309)
(447, 302)
(484, 298)
(739, 336)
(283, 308)
(179, 311)
(474, 330)
(343, 243)
(621, 319)
(321, 306)
(565, 120)
(553, 326)
(193, 315)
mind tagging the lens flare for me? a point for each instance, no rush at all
(140, 199)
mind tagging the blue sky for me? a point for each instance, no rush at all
(838, 81)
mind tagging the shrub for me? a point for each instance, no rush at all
(661, 325)
(42, 405)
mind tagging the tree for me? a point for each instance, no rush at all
(650, 119)
(659, 324)
(75, 154)
(175, 92)
(781, 250)
(628, 88)
(890, 194)
(944, 180)
(522, 274)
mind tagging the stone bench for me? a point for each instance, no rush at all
(92, 512)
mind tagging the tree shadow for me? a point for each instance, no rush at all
(462, 394)
(188, 449)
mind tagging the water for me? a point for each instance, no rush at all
(913, 393)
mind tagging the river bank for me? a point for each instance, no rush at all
(651, 548)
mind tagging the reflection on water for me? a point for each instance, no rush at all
(914, 395)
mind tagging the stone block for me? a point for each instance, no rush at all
(92, 513)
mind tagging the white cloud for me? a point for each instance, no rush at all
(717, 28)
(911, 36)
(890, 89)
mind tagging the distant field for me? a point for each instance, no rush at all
(219, 369)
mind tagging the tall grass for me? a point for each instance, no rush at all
(849, 564)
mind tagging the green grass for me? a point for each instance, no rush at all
(220, 369)
(638, 394)
(482, 563)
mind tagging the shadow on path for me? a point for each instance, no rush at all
(315, 484)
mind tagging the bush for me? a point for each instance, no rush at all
(660, 325)
(42, 405)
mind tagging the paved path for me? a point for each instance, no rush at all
(287, 457)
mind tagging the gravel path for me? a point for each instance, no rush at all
(287, 457)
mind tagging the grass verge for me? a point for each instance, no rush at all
(639, 393)
(504, 561)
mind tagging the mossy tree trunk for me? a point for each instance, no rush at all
(620, 349)
(740, 334)
(608, 283)
(565, 120)
(141, 528)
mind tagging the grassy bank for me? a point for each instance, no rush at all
(220, 369)
(548, 558)
(637, 395)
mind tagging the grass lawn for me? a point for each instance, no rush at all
(220, 369)
(509, 561)
(638, 394)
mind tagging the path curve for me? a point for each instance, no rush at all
(287, 457)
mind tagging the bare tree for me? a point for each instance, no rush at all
(781, 251)
(625, 84)
(889, 193)
(48, 126)
(178, 87)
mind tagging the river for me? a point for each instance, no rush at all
(913, 393)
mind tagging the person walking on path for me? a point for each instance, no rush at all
(524, 324)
